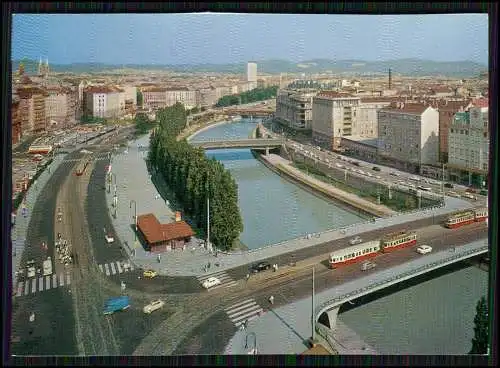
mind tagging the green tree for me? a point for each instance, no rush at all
(140, 98)
(480, 340)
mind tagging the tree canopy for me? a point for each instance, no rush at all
(481, 331)
(142, 123)
(257, 94)
(193, 177)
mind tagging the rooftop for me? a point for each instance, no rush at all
(408, 108)
(333, 94)
(155, 232)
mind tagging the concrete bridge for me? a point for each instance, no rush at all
(328, 307)
(257, 112)
(257, 143)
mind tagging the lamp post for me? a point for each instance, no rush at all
(313, 319)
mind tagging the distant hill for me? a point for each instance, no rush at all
(407, 67)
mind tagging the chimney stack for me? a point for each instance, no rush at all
(390, 79)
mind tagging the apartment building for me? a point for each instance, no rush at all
(208, 97)
(104, 102)
(154, 97)
(366, 122)
(60, 106)
(294, 108)
(333, 114)
(408, 136)
(16, 121)
(468, 146)
(252, 72)
(32, 109)
(189, 98)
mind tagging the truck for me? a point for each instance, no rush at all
(113, 305)
(47, 267)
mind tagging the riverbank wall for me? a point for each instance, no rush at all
(346, 200)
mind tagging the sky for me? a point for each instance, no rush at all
(229, 38)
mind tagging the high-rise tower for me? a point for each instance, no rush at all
(251, 72)
(390, 79)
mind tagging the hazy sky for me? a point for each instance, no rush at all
(226, 38)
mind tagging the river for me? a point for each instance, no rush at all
(272, 208)
(433, 317)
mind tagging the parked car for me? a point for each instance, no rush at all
(427, 189)
(150, 273)
(471, 190)
(154, 305)
(376, 168)
(393, 173)
(448, 185)
(483, 192)
(109, 238)
(424, 249)
(365, 266)
(355, 240)
(262, 266)
(468, 195)
(211, 282)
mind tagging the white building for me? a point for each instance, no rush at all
(366, 122)
(333, 117)
(408, 136)
(154, 97)
(252, 72)
(468, 145)
(189, 98)
(104, 102)
(294, 108)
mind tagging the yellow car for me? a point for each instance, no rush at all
(150, 274)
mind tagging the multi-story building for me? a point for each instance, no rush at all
(208, 97)
(16, 121)
(189, 98)
(468, 146)
(154, 97)
(366, 122)
(333, 115)
(32, 109)
(294, 108)
(104, 102)
(252, 72)
(408, 136)
(60, 106)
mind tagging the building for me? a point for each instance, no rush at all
(361, 147)
(408, 136)
(366, 122)
(158, 237)
(468, 146)
(208, 97)
(189, 98)
(16, 121)
(154, 97)
(104, 102)
(252, 72)
(294, 108)
(32, 109)
(333, 116)
(447, 111)
(60, 106)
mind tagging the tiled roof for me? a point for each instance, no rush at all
(155, 232)
(333, 94)
(481, 102)
(409, 108)
(100, 89)
(155, 89)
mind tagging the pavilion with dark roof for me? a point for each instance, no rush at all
(158, 237)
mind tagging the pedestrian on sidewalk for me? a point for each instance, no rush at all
(271, 300)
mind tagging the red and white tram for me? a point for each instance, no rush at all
(354, 253)
(398, 240)
(466, 217)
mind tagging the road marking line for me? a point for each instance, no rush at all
(47, 282)
(112, 265)
(54, 281)
(243, 310)
(248, 319)
(232, 283)
(20, 288)
(40, 283)
(238, 309)
(61, 280)
(225, 278)
(26, 288)
(118, 265)
(107, 269)
(100, 267)
(218, 275)
(68, 280)
(240, 303)
(33, 285)
(242, 318)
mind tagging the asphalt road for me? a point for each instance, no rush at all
(286, 290)
(52, 332)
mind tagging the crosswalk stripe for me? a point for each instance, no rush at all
(40, 284)
(107, 269)
(20, 288)
(26, 288)
(61, 280)
(238, 304)
(100, 267)
(248, 319)
(119, 266)
(236, 310)
(33, 285)
(112, 265)
(47, 282)
(232, 283)
(68, 280)
(242, 318)
(54, 281)
(243, 310)
(217, 274)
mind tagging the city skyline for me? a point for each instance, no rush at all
(245, 37)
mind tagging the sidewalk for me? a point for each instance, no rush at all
(20, 229)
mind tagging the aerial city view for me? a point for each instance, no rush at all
(222, 184)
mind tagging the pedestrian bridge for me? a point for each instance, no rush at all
(262, 143)
(330, 304)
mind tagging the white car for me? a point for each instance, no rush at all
(151, 307)
(355, 240)
(468, 195)
(339, 165)
(427, 189)
(211, 282)
(424, 249)
(109, 239)
(378, 176)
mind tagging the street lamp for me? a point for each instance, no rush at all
(135, 213)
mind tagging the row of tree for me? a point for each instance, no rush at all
(194, 178)
(257, 94)
(143, 124)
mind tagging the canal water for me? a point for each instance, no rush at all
(272, 208)
(434, 317)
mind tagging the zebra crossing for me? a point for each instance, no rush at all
(244, 311)
(42, 283)
(225, 279)
(113, 268)
(97, 158)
